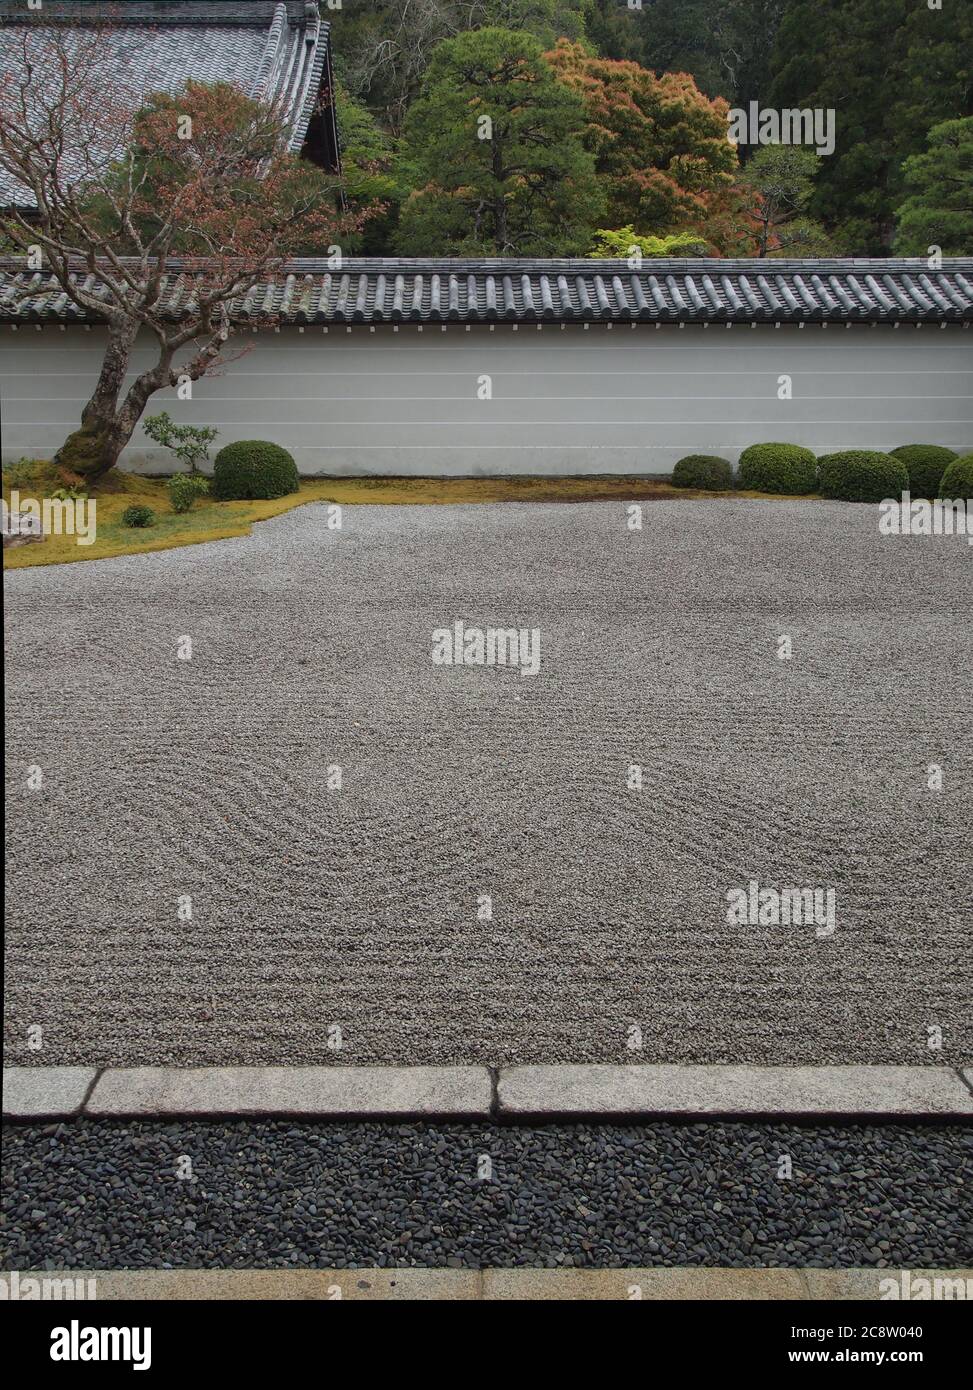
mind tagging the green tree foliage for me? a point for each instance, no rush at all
(890, 69)
(660, 146)
(547, 20)
(189, 443)
(939, 208)
(614, 33)
(745, 33)
(777, 186)
(623, 244)
(493, 149)
(384, 48)
(368, 169)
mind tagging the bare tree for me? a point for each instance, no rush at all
(394, 49)
(388, 50)
(116, 194)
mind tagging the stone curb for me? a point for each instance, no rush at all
(334, 1092)
(45, 1093)
(585, 1092)
(702, 1283)
(523, 1092)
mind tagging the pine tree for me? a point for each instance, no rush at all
(493, 149)
(939, 208)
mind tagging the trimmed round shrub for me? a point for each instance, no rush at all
(926, 464)
(957, 481)
(703, 470)
(860, 475)
(252, 468)
(138, 516)
(778, 468)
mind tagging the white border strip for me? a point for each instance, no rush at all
(718, 1091)
(383, 1285)
(337, 1092)
(45, 1093)
(522, 1092)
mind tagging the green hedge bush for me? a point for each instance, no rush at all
(861, 475)
(703, 470)
(778, 468)
(252, 468)
(184, 488)
(957, 481)
(138, 516)
(926, 464)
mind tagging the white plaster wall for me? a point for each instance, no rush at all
(619, 400)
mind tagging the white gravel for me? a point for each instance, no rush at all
(358, 908)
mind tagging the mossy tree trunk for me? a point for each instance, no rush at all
(94, 448)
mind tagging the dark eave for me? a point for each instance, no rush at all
(559, 291)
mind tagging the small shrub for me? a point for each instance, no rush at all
(189, 443)
(703, 470)
(138, 516)
(69, 494)
(778, 468)
(252, 468)
(957, 481)
(20, 475)
(861, 475)
(184, 488)
(926, 464)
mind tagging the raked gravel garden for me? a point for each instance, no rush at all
(360, 909)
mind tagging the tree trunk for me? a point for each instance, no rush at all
(95, 448)
(764, 238)
(500, 232)
(91, 450)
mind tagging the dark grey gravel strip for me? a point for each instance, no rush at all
(264, 1195)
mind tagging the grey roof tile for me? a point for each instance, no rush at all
(529, 291)
(274, 50)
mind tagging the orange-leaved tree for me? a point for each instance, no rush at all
(661, 147)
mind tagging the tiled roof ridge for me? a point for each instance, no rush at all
(302, 86)
(391, 290)
(481, 265)
(265, 78)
